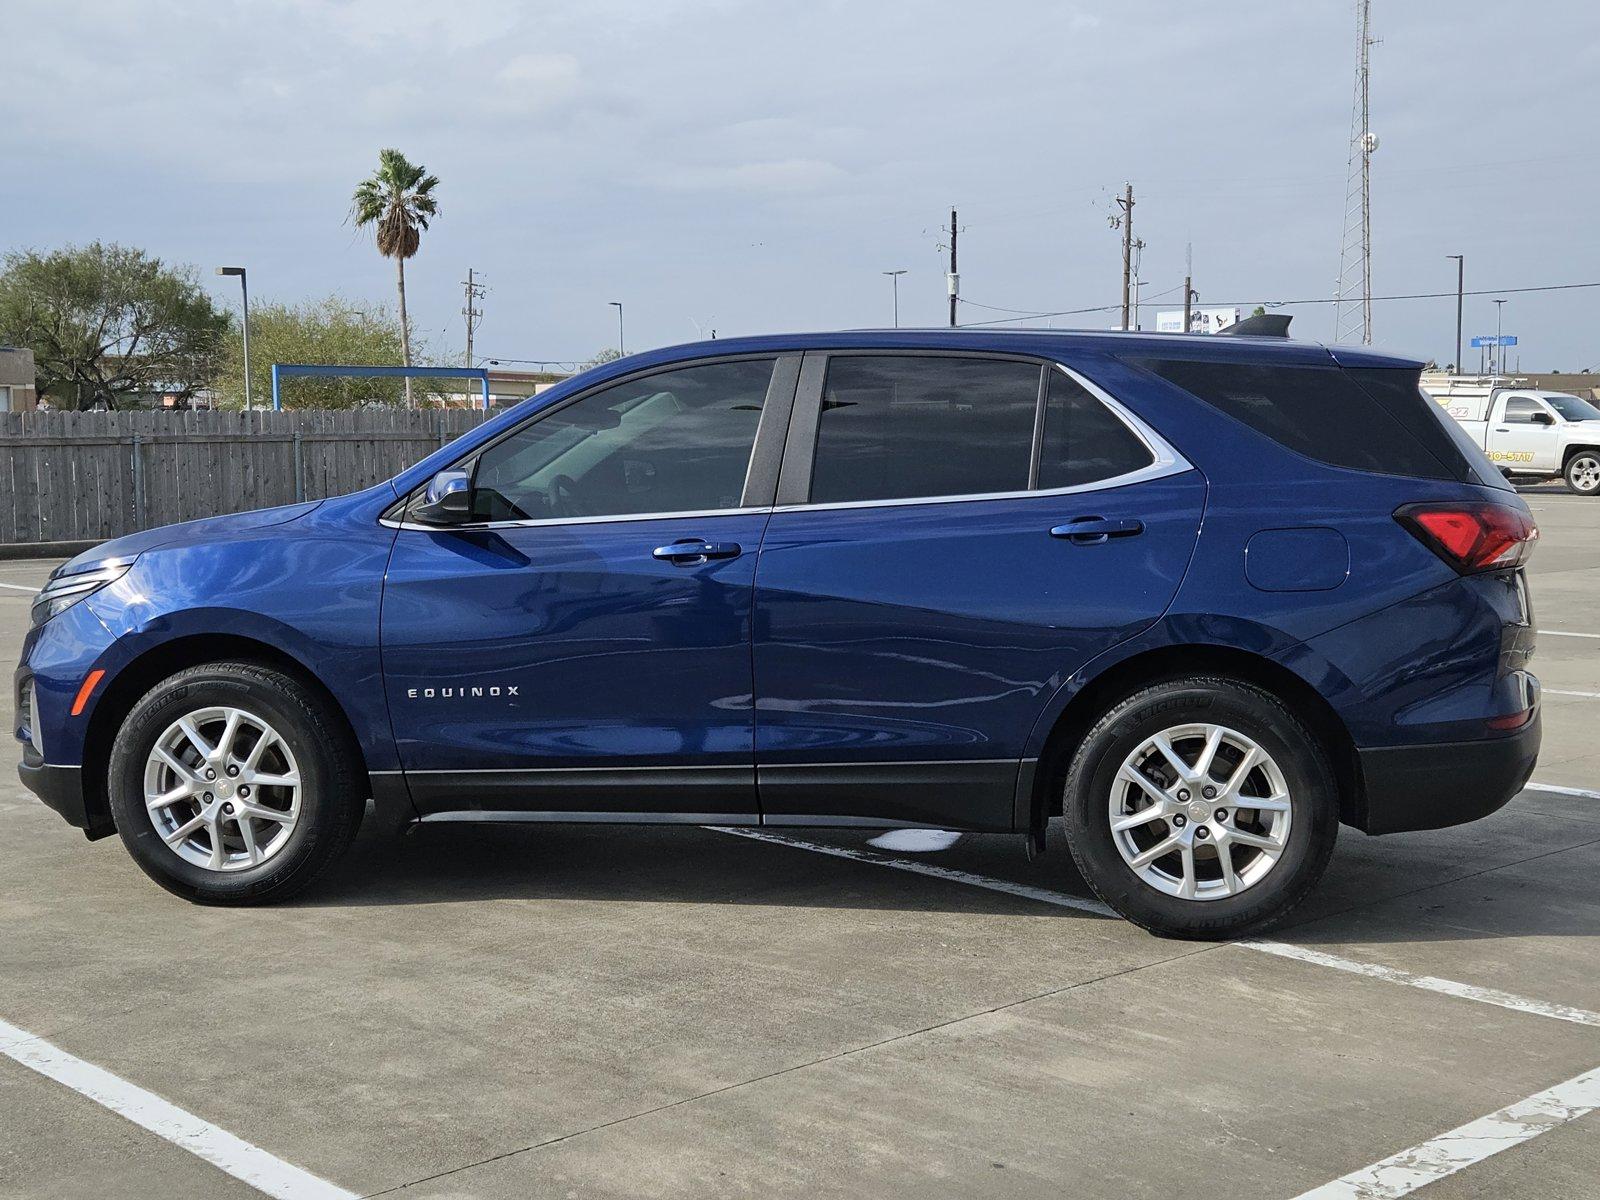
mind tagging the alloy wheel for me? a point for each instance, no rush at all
(223, 789)
(1200, 812)
(1584, 472)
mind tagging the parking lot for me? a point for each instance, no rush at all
(606, 1011)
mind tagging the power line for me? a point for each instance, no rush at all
(564, 363)
(1548, 287)
(1069, 312)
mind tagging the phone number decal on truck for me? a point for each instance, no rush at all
(1516, 456)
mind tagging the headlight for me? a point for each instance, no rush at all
(63, 592)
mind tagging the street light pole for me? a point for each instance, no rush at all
(1461, 269)
(621, 345)
(244, 292)
(894, 278)
(1499, 347)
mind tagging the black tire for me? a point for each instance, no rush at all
(332, 800)
(1582, 473)
(1258, 715)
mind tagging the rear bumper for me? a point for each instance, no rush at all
(62, 789)
(1446, 783)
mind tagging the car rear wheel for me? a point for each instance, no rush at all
(231, 784)
(1583, 473)
(1201, 808)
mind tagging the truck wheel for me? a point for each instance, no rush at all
(231, 784)
(1201, 808)
(1583, 473)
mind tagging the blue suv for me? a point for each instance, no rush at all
(1205, 598)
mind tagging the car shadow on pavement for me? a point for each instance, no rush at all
(1400, 891)
(450, 864)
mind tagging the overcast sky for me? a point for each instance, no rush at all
(754, 166)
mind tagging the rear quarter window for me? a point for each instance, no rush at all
(1366, 420)
(1083, 441)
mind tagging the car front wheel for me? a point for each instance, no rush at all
(1201, 808)
(230, 784)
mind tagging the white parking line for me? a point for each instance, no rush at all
(1580, 695)
(1586, 793)
(1428, 983)
(1564, 633)
(251, 1164)
(1403, 1173)
(18, 587)
(1043, 895)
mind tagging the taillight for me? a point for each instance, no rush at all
(1472, 535)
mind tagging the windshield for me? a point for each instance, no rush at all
(1570, 407)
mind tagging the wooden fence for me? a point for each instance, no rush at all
(71, 477)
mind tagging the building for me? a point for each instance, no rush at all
(507, 386)
(18, 390)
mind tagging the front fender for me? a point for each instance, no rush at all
(351, 673)
(310, 590)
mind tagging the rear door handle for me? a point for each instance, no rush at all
(688, 552)
(1091, 531)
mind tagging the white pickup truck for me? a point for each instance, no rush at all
(1533, 435)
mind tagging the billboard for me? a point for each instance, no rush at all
(1201, 320)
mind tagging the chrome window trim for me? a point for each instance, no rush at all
(535, 522)
(1165, 461)
(776, 357)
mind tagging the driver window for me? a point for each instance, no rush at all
(678, 441)
(1520, 410)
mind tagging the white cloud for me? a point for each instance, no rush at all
(780, 175)
(536, 82)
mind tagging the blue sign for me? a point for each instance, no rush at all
(1492, 340)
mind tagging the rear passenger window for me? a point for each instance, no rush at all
(1321, 412)
(897, 427)
(1084, 441)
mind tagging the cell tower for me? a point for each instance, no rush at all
(1352, 308)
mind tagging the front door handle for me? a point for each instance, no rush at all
(689, 552)
(1091, 531)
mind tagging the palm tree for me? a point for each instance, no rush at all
(397, 201)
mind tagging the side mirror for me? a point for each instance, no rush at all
(448, 500)
(1543, 418)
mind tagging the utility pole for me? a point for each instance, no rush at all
(1188, 286)
(1126, 221)
(473, 314)
(1461, 277)
(1138, 282)
(954, 278)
